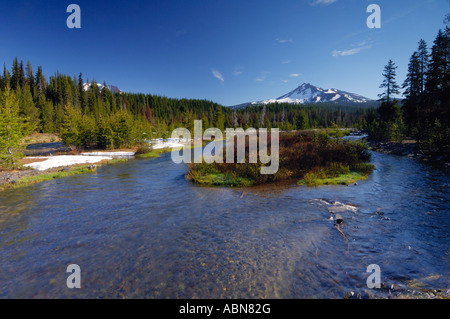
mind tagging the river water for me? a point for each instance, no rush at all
(141, 230)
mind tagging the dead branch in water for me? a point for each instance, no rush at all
(338, 227)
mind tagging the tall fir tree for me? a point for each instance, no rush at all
(15, 75)
(389, 84)
(424, 58)
(30, 77)
(413, 90)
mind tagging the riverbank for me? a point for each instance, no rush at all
(406, 147)
(25, 177)
(48, 158)
(410, 148)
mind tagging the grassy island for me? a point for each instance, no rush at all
(311, 158)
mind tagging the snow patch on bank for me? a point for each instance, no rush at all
(111, 154)
(160, 143)
(64, 160)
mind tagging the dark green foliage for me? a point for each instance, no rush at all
(300, 153)
(424, 113)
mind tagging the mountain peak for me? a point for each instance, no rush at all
(307, 93)
(112, 88)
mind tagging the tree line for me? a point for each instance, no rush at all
(424, 112)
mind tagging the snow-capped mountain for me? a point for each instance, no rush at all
(310, 94)
(112, 88)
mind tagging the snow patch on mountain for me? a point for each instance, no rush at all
(310, 94)
(112, 88)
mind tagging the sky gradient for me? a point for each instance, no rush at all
(228, 51)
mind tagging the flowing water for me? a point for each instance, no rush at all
(141, 230)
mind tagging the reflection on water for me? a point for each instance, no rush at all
(140, 230)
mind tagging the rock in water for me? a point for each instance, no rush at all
(338, 219)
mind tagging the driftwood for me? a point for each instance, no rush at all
(338, 227)
(338, 222)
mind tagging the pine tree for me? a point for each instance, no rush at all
(389, 82)
(15, 75)
(27, 110)
(41, 83)
(11, 128)
(22, 80)
(301, 120)
(413, 89)
(47, 115)
(219, 119)
(6, 78)
(30, 77)
(423, 60)
(439, 68)
(72, 126)
(81, 92)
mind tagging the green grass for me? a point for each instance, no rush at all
(215, 178)
(30, 180)
(341, 176)
(157, 152)
(153, 153)
(117, 161)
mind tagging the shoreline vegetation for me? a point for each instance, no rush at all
(49, 144)
(310, 157)
(329, 173)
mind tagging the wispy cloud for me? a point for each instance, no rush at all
(295, 75)
(237, 71)
(349, 51)
(262, 76)
(322, 2)
(218, 75)
(284, 40)
(285, 81)
(286, 61)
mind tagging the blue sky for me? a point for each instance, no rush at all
(227, 51)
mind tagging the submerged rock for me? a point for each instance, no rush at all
(338, 219)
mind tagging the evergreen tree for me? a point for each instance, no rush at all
(27, 110)
(22, 79)
(15, 75)
(413, 90)
(437, 85)
(11, 128)
(219, 119)
(72, 126)
(6, 78)
(423, 60)
(301, 120)
(30, 77)
(81, 92)
(389, 82)
(47, 115)
(41, 83)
